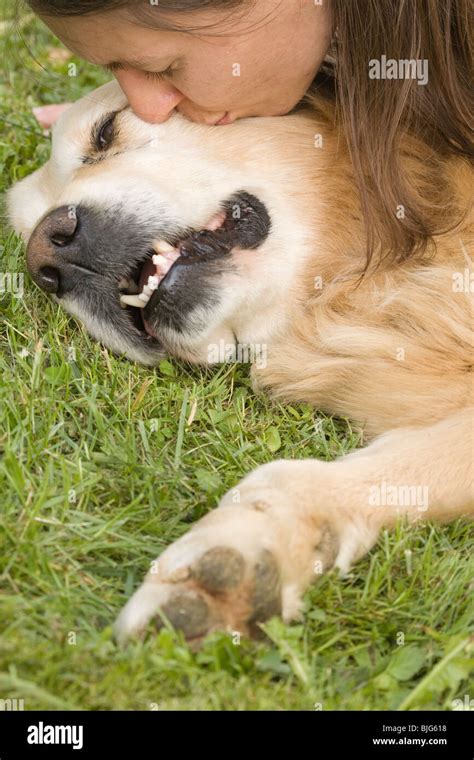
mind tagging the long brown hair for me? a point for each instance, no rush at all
(375, 113)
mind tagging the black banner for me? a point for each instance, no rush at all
(374, 734)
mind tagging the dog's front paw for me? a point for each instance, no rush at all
(218, 576)
(238, 566)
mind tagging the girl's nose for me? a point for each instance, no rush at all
(152, 101)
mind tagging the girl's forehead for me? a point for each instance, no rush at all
(113, 37)
(105, 39)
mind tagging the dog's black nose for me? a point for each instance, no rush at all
(48, 265)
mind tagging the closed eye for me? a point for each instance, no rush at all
(158, 76)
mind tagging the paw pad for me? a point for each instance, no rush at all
(219, 569)
(187, 611)
(266, 596)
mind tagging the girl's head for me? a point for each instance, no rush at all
(219, 60)
(212, 60)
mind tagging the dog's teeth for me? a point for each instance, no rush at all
(153, 282)
(147, 290)
(144, 297)
(159, 261)
(162, 246)
(133, 301)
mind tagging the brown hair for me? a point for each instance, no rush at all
(375, 112)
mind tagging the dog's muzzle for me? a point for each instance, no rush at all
(53, 271)
(107, 259)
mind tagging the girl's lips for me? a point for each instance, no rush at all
(226, 119)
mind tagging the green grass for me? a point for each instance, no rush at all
(97, 477)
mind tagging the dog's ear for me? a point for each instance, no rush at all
(28, 201)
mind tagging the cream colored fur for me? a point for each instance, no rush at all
(392, 350)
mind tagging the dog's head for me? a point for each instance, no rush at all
(171, 238)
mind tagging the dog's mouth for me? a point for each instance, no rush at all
(137, 289)
(241, 223)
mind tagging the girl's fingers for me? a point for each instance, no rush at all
(47, 115)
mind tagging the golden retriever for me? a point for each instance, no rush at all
(212, 244)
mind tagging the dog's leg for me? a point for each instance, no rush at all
(289, 521)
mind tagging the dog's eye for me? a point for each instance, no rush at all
(106, 134)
